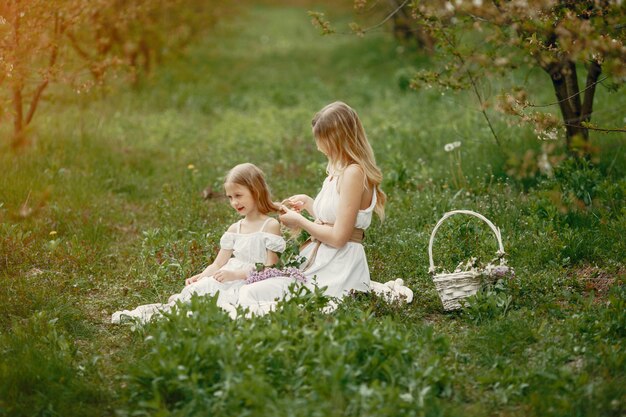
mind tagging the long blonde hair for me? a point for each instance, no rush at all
(340, 134)
(251, 177)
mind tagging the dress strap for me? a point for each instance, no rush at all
(374, 199)
(265, 224)
(239, 226)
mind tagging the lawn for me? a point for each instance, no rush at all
(105, 210)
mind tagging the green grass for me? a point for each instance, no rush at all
(102, 212)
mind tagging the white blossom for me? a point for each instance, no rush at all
(406, 397)
(449, 147)
(551, 134)
(544, 165)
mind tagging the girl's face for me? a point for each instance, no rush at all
(240, 198)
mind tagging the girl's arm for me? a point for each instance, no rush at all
(272, 258)
(220, 260)
(350, 197)
(274, 228)
(224, 276)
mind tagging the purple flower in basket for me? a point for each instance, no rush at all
(289, 272)
(502, 271)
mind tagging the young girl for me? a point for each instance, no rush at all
(253, 239)
(342, 211)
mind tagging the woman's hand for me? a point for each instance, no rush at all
(290, 218)
(226, 276)
(299, 202)
(350, 199)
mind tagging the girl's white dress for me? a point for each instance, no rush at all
(339, 269)
(248, 249)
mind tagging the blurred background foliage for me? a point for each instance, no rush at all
(110, 195)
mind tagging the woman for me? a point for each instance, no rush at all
(342, 211)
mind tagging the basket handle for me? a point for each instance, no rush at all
(495, 230)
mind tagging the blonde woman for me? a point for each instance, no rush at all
(342, 210)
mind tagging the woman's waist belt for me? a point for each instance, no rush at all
(357, 236)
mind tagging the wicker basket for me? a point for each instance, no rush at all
(452, 287)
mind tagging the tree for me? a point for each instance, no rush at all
(40, 40)
(476, 39)
(30, 39)
(136, 35)
(406, 28)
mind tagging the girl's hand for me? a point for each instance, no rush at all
(226, 276)
(290, 218)
(191, 280)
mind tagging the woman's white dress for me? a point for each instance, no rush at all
(339, 269)
(248, 250)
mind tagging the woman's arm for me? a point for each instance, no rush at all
(350, 197)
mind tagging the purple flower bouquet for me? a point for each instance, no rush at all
(289, 272)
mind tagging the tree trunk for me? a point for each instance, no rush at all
(593, 73)
(21, 121)
(565, 83)
(405, 28)
(19, 136)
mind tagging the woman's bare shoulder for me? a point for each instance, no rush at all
(353, 174)
(355, 169)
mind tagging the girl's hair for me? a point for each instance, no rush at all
(340, 134)
(251, 177)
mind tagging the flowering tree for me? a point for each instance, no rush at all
(135, 35)
(479, 38)
(31, 35)
(405, 27)
(40, 40)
